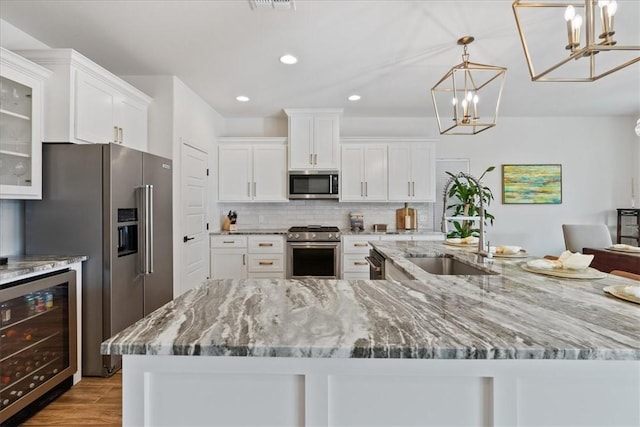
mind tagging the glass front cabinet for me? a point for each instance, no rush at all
(21, 90)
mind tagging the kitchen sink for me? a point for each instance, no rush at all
(447, 265)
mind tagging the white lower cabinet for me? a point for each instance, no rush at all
(355, 249)
(228, 257)
(266, 257)
(247, 256)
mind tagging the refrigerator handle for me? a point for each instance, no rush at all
(146, 216)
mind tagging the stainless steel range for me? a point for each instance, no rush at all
(313, 251)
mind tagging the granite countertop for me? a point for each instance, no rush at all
(511, 315)
(21, 266)
(243, 232)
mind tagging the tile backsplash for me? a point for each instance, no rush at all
(320, 212)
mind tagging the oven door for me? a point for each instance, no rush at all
(318, 260)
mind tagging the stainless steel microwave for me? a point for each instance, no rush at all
(313, 184)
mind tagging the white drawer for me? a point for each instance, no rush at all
(266, 263)
(228, 241)
(265, 244)
(357, 244)
(355, 263)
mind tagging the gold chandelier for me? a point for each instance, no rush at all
(471, 92)
(583, 48)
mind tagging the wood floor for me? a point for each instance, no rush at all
(91, 402)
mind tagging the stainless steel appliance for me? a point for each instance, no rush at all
(112, 204)
(37, 343)
(314, 184)
(313, 251)
(376, 265)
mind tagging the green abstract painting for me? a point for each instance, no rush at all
(527, 184)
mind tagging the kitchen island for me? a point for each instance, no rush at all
(508, 348)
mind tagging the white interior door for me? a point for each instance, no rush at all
(195, 251)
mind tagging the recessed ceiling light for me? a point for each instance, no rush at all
(354, 97)
(288, 59)
(242, 98)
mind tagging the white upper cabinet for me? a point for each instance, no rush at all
(252, 170)
(88, 104)
(313, 138)
(21, 94)
(412, 171)
(364, 172)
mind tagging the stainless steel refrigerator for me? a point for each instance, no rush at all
(112, 204)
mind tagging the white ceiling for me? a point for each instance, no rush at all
(389, 52)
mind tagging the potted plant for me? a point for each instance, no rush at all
(467, 194)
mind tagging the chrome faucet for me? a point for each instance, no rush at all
(445, 193)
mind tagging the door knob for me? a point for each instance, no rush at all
(185, 239)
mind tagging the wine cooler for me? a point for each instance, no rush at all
(38, 347)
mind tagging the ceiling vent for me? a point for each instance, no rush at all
(273, 4)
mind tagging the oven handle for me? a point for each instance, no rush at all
(312, 244)
(373, 265)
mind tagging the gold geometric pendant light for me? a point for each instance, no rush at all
(577, 41)
(467, 98)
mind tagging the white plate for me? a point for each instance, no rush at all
(587, 273)
(520, 254)
(617, 291)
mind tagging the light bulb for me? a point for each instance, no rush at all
(569, 13)
(603, 3)
(464, 103)
(577, 22)
(613, 7)
(469, 96)
(454, 101)
(475, 99)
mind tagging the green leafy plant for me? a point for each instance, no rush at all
(468, 194)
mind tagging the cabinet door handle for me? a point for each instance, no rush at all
(413, 188)
(315, 159)
(185, 239)
(248, 189)
(244, 259)
(366, 189)
(409, 188)
(360, 245)
(120, 135)
(361, 189)
(360, 263)
(310, 159)
(265, 244)
(115, 134)
(228, 241)
(265, 262)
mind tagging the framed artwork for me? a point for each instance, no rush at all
(531, 184)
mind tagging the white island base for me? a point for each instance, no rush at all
(258, 391)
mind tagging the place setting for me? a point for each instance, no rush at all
(569, 265)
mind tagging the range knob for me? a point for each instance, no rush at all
(313, 235)
(297, 236)
(289, 236)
